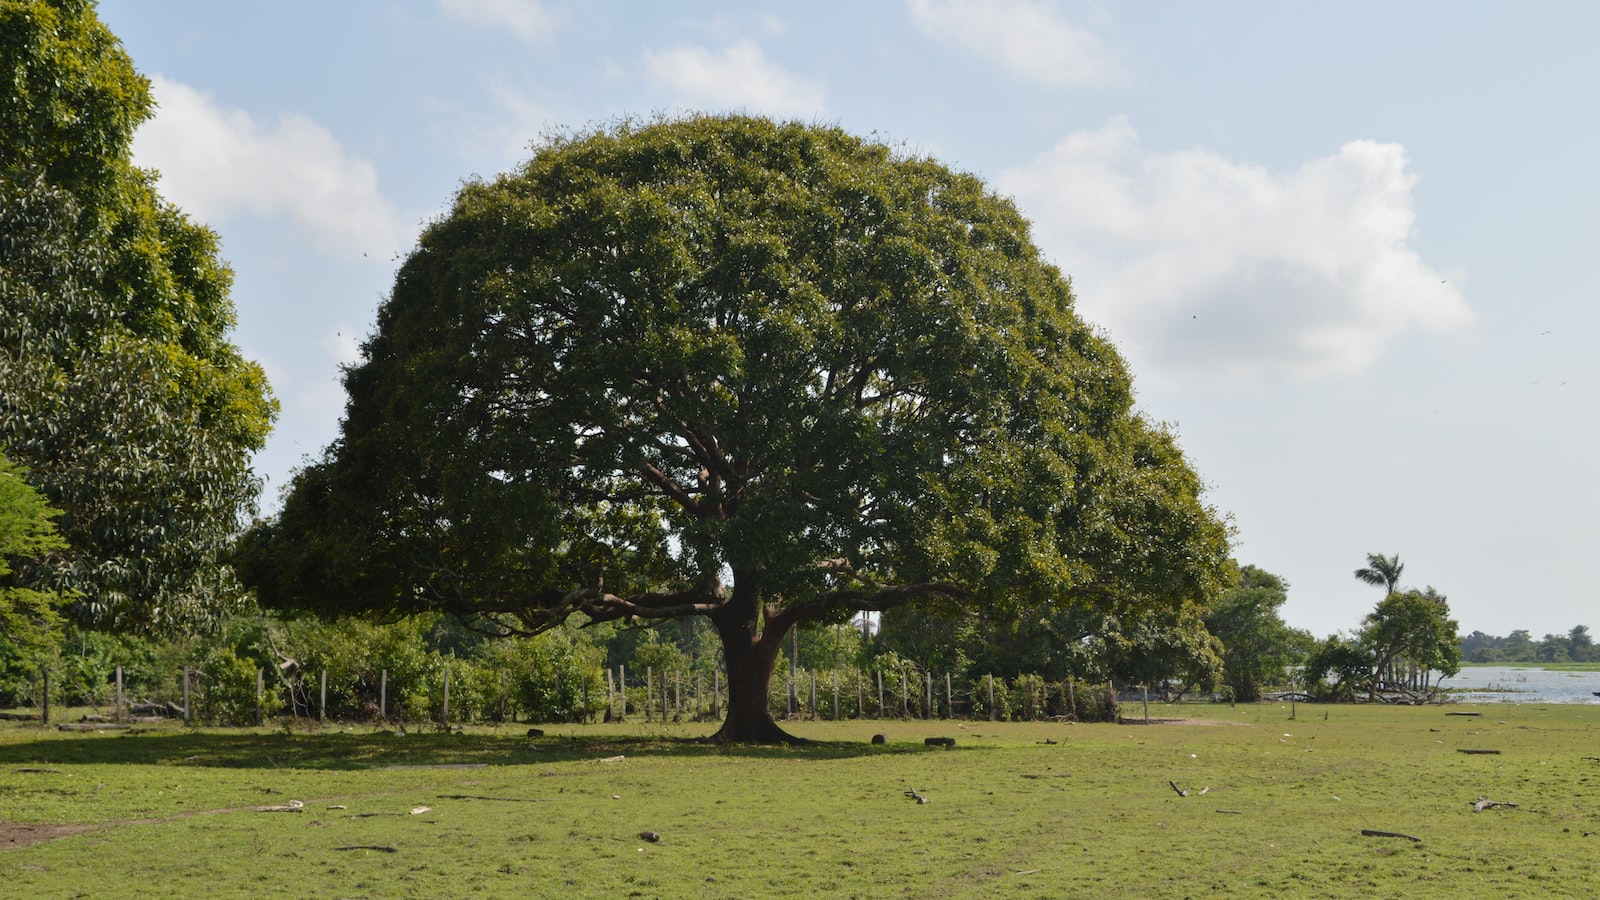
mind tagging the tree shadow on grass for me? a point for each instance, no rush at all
(351, 750)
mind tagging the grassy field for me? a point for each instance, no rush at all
(1276, 807)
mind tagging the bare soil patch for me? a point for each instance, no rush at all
(14, 835)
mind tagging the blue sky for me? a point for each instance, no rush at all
(1348, 249)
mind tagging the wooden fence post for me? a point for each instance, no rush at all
(949, 702)
(383, 694)
(261, 692)
(716, 693)
(622, 688)
(649, 691)
(446, 697)
(122, 701)
(992, 715)
(44, 707)
(322, 703)
(187, 718)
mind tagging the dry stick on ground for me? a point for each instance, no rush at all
(1181, 791)
(1478, 752)
(920, 798)
(498, 799)
(381, 848)
(1484, 803)
(1368, 832)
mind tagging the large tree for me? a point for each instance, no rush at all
(119, 389)
(764, 373)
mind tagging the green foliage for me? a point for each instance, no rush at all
(27, 532)
(553, 677)
(1258, 647)
(656, 355)
(227, 690)
(355, 653)
(1337, 669)
(1382, 571)
(1577, 645)
(1412, 627)
(122, 395)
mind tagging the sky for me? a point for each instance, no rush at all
(1347, 249)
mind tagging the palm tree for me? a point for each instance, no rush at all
(1382, 571)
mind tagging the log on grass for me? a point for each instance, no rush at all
(1371, 832)
(1477, 752)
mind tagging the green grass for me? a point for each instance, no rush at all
(172, 811)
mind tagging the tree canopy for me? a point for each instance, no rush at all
(1258, 645)
(119, 389)
(764, 373)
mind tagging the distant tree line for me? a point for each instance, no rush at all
(1519, 646)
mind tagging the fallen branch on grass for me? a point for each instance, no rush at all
(920, 798)
(1478, 752)
(381, 848)
(497, 799)
(1181, 791)
(1484, 803)
(1368, 832)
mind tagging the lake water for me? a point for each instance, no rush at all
(1523, 684)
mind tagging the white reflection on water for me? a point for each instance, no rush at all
(1522, 684)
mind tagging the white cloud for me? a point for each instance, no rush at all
(1201, 265)
(738, 77)
(217, 162)
(527, 19)
(1029, 38)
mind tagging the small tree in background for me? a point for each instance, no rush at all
(1257, 645)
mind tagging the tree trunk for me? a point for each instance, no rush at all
(751, 655)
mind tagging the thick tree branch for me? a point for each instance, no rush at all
(672, 489)
(603, 607)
